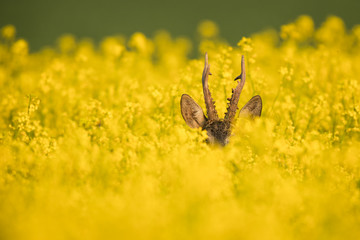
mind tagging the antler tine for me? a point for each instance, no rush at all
(210, 104)
(231, 110)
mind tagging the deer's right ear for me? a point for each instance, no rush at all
(192, 112)
(252, 108)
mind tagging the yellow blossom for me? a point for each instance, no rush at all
(300, 30)
(208, 29)
(67, 43)
(112, 47)
(8, 32)
(139, 42)
(20, 47)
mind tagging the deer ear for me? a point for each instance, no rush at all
(192, 112)
(252, 108)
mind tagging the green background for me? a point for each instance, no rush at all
(41, 22)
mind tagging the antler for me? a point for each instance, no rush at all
(231, 110)
(210, 104)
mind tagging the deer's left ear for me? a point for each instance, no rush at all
(192, 112)
(252, 108)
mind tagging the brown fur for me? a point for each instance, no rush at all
(218, 131)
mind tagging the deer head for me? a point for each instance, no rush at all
(218, 130)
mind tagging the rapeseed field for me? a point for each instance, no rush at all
(93, 144)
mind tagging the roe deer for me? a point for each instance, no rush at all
(218, 130)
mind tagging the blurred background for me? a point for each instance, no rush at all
(41, 22)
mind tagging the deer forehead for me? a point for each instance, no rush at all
(220, 127)
(218, 132)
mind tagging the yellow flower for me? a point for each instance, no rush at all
(302, 29)
(20, 48)
(67, 43)
(112, 47)
(208, 29)
(8, 32)
(246, 45)
(332, 31)
(356, 34)
(139, 42)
